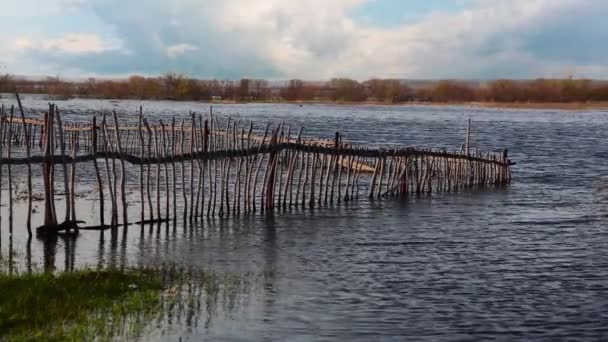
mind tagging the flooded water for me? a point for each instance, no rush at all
(526, 262)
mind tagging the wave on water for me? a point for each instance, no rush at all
(573, 221)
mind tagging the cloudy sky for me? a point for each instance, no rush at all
(309, 39)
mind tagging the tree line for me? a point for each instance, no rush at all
(173, 86)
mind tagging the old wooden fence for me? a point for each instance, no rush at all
(195, 169)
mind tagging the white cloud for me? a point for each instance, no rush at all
(77, 44)
(22, 43)
(73, 43)
(315, 39)
(180, 49)
(318, 39)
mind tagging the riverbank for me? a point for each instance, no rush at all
(499, 105)
(544, 105)
(573, 106)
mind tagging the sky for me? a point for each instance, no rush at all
(306, 39)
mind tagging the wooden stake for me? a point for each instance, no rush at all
(148, 169)
(173, 170)
(73, 182)
(110, 181)
(64, 167)
(166, 168)
(97, 174)
(29, 168)
(123, 173)
(183, 171)
(49, 204)
(191, 148)
(10, 176)
(141, 166)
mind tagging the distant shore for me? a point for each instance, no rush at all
(573, 106)
(544, 105)
(506, 105)
(557, 94)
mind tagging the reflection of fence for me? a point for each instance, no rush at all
(221, 171)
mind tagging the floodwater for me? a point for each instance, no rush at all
(526, 262)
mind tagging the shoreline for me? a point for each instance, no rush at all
(572, 106)
(568, 106)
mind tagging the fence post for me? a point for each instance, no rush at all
(49, 211)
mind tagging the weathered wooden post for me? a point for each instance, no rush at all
(505, 167)
(141, 167)
(271, 169)
(111, 180)
(148, 170)
(10, 174)
(336, 164)
(182, 138)
(2, 127)
(29, 167)
(49, 210)
(468, 139)
(64, 166)
(166, 169)
(191, 151)
(73, 180)
(123, 172)
(97, 174)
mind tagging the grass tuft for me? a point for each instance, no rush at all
(81, 305)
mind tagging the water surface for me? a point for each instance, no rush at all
(526, 262)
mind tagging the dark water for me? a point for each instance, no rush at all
(528, 262)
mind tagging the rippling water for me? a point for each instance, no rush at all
(526, 262)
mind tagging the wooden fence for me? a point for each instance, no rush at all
(190, 170)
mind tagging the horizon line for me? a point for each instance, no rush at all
(30, 77)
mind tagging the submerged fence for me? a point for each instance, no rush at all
(190, 170)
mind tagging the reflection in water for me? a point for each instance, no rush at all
(113, 248)
(11, 253)
(197, 301)
(270, 257)
(49, 244)
(69, 241)
(100, 254)
(49, 247)
(28, 255)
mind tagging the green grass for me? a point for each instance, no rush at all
(108, 304)
(81, 305)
